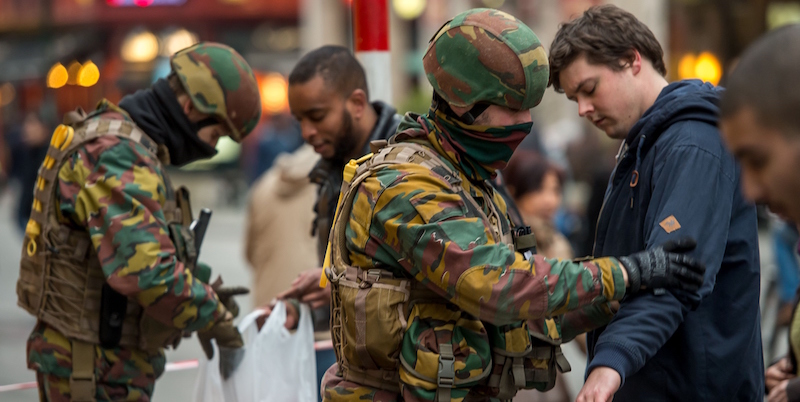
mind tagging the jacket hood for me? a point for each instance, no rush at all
(682, 100)
(293, 170)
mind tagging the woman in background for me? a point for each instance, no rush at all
(536, 185)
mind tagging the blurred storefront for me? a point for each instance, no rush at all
(129, 41)
(56, 55)
(707, 36)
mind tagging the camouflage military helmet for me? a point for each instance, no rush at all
(486, 55)
(220, 83)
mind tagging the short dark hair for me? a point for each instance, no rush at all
(605, 35)
(336, 65)
(766, 79)
(526, 170)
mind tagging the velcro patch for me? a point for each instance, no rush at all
(670, 224)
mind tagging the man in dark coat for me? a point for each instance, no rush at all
(673, 178)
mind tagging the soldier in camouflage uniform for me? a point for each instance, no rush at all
(108, 230)
(430, 299)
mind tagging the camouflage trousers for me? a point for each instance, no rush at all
(121, 374)
(336, 389)
(56, 389)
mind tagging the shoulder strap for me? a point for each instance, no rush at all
(121, 128)
(389, 154)
(66, 140)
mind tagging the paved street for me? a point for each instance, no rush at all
(222, 250)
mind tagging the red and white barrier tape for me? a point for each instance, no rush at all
(176, 366)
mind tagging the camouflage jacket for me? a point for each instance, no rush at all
(112, 188)
(407, 219)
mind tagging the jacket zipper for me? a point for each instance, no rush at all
(620, 155)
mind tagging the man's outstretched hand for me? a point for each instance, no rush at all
(305, 289)
(292, 315)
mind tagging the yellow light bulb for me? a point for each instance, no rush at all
(686, 66)
(57, 76)
(72, 72)
(88, 74)
(140, 47)
(708, 68)
(274, 95)
(409, 9)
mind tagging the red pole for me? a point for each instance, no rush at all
(371, 44)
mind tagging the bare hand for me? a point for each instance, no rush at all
(601, 385)
(292, 315)
(306, 289)
(778, 372)
(778, 393)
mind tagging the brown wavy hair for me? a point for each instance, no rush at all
(606, 35)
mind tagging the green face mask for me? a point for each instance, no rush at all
(478, 150)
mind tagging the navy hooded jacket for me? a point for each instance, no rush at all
(687, 185)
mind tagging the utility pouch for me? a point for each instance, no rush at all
(523, 358)
(373, 304)
(446, 352)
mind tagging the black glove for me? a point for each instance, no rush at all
(666, 266)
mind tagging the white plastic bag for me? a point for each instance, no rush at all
(277, 366)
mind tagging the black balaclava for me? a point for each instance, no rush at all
(157, 112)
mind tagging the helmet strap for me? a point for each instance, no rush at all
(468, 118)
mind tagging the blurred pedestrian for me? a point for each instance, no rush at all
(27, 147)
(108, 265)
(278, 240)
(785, 237)
(281, 134)
(536, 184)
(673, 178)
(761, 125)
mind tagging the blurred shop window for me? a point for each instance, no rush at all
(175, 40)
(704, 66)
(780, 14)
(140, 46)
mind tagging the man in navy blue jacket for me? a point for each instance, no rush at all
(674, 178)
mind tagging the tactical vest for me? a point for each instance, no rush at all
(61, 279)
(375, 315)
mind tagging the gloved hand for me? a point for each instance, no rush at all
(666, 266)
(226, 295)
(229, 342)
(226, 334)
